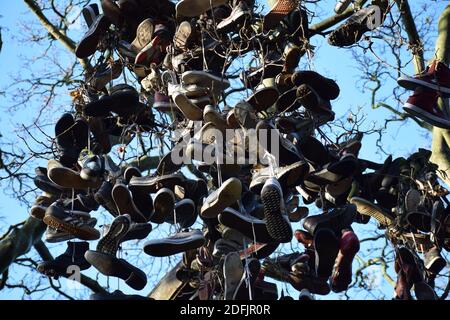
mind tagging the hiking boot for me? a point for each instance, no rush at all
(111, 266)
(435, 77)
(337, 219)
(228, 194)
(177, 243)
(57, 217)
(60, 266)
(249, 226)
(277, 219)
(342, 272)
(88, 44)
(423, 105)
(109, 243)
(194, 8)
(163, 204)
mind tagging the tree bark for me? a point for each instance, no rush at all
(441, 137)
(19, 241)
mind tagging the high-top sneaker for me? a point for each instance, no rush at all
(342, 273)
(423, 105)
(73, 256)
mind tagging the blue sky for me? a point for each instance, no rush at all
(335, 63)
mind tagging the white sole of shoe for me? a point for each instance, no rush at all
(426, 116)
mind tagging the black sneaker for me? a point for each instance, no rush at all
(88, 45)
(175, 244)
(164, 204)
(326, 246)
(185, 214)
(103, 197)
(59, 218)
(90, 13)
(125, 203)
(277, 220)
(73, 256)
(337, 219)
(249, 226)
(111, 266)
(152, 184)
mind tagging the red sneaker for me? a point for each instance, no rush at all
(435, 77)
(423, 104)
(342, 273)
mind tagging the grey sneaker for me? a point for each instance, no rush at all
(53, 235)
(233, 271)
(177, 243)
(226, 195)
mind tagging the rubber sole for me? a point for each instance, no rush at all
(412, 84)
(58, 224)
(426, 116)
(277, 226)
(369, 209)
(110, 242)
(233, 271)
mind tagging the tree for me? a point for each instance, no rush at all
(381, 57)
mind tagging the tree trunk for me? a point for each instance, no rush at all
(441, 137)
